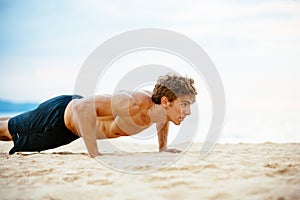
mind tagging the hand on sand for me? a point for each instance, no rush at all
(104, 154)
(95, 155)
(171, 150)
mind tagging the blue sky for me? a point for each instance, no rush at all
(255, 46)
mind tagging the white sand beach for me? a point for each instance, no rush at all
(230, 171)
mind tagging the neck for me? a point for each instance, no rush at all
(157, 113)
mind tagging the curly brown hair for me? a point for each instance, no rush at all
(173, 86)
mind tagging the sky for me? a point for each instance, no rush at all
(254, 45)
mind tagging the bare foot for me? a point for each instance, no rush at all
(4, 133)
(5, 138)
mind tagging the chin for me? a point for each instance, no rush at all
(177, 123)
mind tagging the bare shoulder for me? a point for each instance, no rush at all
(137, 96)
(143, 98)
(92, 99)
(136, 99)
(102, 98)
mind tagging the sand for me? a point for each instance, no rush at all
(230, 171)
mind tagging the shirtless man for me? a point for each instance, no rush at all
(64, 119)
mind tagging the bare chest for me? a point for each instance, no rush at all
(116, 126)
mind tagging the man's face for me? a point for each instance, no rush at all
(179, 109)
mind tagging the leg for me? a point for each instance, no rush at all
(4, 133)
(4, 118)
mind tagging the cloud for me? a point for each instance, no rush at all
(228, 11)
(36, 79)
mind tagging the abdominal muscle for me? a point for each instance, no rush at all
(108, 128)
(113, 127)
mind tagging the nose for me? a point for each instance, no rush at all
(187, 111)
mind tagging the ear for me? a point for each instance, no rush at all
(164, 101)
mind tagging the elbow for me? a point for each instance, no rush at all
(84, 109)
(79, 107)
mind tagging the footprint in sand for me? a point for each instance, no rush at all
(100, 182)
(38, 172)
(272, 165)
(281, 170)
(70, 178)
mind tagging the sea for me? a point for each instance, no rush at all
(9, 114)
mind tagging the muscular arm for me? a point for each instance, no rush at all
(87, 110)
(162, 133)
(85, 116)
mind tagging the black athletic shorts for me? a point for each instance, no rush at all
(43, 128)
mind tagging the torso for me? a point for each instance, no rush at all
(110, 127)
(127, 123)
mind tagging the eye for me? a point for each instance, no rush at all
(184, 104)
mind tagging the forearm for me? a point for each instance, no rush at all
(90, 140)
(162, 133)
(162, 141)
(86, 123)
